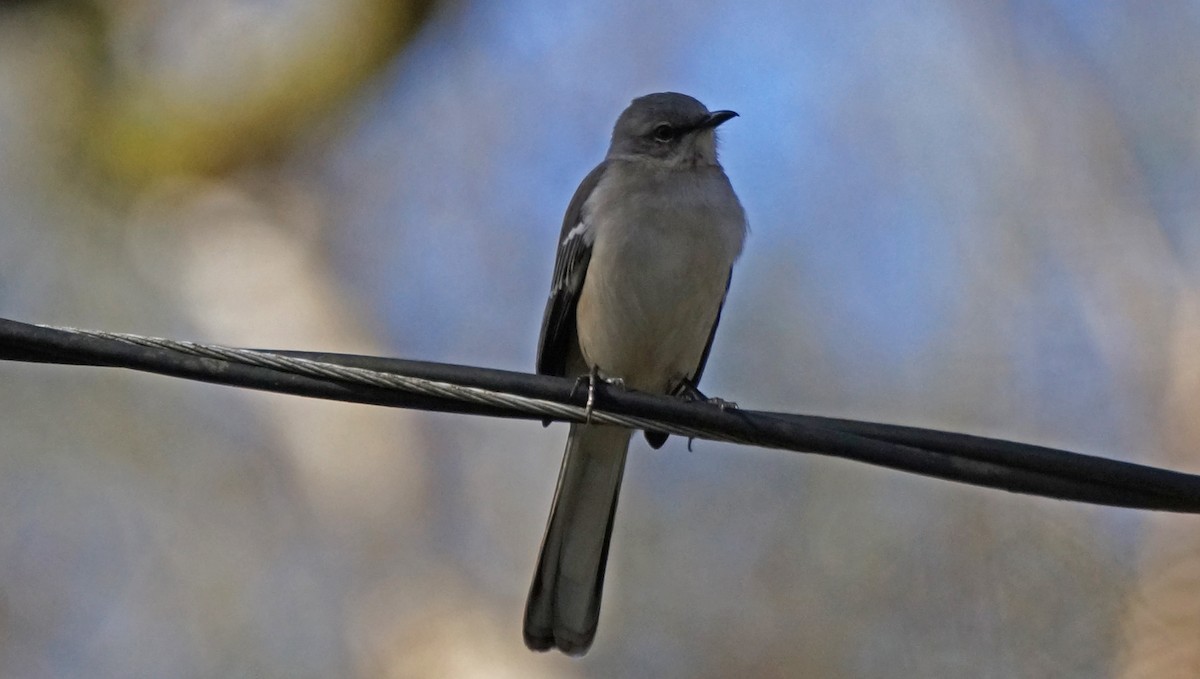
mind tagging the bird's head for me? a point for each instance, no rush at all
(670, 128)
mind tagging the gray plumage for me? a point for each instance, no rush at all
(644, 259)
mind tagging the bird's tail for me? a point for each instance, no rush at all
(564, 601)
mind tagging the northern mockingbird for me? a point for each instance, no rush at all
(644, 260)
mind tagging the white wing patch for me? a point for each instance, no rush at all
(582, 231)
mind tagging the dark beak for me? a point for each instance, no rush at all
(716, 118)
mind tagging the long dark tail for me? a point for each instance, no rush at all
(564, 601)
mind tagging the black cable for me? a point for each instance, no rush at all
(962, 458)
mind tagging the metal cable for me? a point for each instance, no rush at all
(416, 385)
(961, 458)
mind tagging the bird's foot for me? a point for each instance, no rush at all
(721, 403)
(579, 382)
(593, 378)
(689, 392)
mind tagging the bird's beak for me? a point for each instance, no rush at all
(716, 118)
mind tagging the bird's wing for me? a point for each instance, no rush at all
(695, 376)
(691, 385)
(574, 253)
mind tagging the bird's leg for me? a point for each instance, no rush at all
(579, 382)
(591, 399)
(592, 378)
(688, 391)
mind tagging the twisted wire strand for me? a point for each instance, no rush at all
(416, 385)
(961, 458)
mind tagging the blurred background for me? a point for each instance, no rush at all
(981, 217)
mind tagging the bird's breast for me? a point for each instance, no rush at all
(658, 273)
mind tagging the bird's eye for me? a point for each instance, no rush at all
(664, 133)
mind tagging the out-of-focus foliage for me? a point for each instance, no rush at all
(199, 87)
(980, 217)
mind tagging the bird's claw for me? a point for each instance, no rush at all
(721, 403)
(591, 399)
(687, 390)
(592, 379)
(579, 381)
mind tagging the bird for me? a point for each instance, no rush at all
(643, 266)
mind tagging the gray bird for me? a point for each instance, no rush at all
(644, 260)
